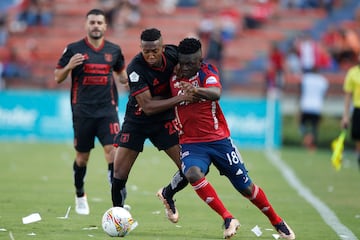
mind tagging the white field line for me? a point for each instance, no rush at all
(325, 212)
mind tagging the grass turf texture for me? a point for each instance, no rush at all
(38, 178)
(329, 129)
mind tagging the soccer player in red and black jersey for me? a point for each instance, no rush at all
(94, 64)
(149, 115)
(205, 139)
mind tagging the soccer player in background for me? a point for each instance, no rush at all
(94, 64)
(313, 89)
(205, 139)
(352, 102)
(149, 115)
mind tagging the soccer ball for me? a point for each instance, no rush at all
(117, 222)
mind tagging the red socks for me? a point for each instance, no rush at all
(259, 199)
(208, 194)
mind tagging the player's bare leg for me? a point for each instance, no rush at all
(178, 182)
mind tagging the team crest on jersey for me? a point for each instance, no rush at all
(108, 57)
(124, 138)
(134, 77)
(155, 82)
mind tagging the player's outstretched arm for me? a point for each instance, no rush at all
(211, 93)
(152, 105)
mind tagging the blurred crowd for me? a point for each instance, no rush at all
(337, 49)
(221, 22)
(17, 17)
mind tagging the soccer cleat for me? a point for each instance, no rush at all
(231, 226)
(284, 230)
(82, 206)
(170, 209)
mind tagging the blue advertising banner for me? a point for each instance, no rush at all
(35, 115)
(253, 122)
(46, 116)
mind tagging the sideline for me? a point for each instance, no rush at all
(325, 212)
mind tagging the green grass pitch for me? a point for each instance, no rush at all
(37, 178)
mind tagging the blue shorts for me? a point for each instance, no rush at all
(223, 154)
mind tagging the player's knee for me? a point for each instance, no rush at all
(247, 191)
(82, 159)
(194, 174)
(118, 174)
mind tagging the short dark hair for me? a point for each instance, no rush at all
(95, 11)
(189, 46)
(150, 34)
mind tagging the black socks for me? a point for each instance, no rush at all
(79, 175)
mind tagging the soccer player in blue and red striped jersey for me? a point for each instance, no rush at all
(205, 139)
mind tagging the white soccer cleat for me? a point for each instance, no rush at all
(82, 206)
(231, 226)
(284, 230)
(169, 205)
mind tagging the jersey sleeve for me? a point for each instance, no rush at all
(65, 57)
(349, 82)
(137, 83)
(120, 61)
(209, 76)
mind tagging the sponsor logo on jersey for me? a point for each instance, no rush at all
(134, 77)
(97, 68)
(211, 80)
(95, 80)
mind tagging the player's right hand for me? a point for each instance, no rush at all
(76, 60)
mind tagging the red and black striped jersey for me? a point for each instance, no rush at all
(93, 90)
(143, 77)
